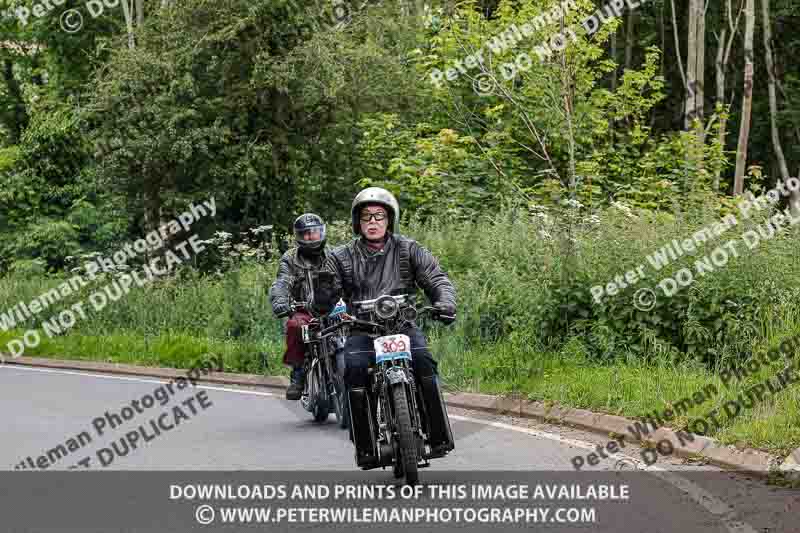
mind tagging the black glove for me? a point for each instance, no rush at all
(446, 313)
(282, 310)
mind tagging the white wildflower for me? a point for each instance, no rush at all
(261, 229)
(626, 210)
(574, 203)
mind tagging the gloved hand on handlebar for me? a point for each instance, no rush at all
(445, 313)
(282, 310)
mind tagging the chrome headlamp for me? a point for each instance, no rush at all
(386, 307)
(409, 314)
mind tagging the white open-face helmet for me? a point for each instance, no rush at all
(382, 197)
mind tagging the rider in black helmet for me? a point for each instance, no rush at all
(297, 275)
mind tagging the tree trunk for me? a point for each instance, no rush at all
(691, 66)
(567, 87)
(19, 119)
(139, 13)
(773, 102)
(126, 10)
(723, 56)
(663, 34)
(629, 38)
(677, 44)
(614, 59)
(612, 124)
(720, 66)
(700, 70)
(747, 99)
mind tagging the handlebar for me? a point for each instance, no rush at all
(299, 305)
(349, 322)
(352, 321)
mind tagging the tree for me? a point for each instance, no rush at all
(747, 99)
(723, 56)
(773, 102)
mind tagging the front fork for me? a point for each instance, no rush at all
(398, 376)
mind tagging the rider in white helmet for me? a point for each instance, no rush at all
(380, 261)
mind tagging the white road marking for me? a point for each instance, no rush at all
(705, 499)
(142, 380)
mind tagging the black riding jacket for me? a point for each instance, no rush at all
(293, 281)
(400, 267)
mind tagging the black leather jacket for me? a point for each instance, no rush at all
(403, 265)
(292, 281)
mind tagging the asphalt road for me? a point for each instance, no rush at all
(223, 429)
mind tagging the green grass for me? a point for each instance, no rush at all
(168, 349)
(629, 388)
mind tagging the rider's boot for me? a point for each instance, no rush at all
(362, 431)
(297, 382)
(441, 436)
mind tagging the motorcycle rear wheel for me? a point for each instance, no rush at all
(407, 448)
(321, 410)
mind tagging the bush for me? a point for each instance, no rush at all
(27, 269)
(51, 240)
(530, 277)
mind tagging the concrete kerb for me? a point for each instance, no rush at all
(747, 460)
(791, 466)
(750, 461)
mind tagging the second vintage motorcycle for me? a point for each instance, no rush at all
(324, 387)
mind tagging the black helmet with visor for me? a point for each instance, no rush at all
(314, 242)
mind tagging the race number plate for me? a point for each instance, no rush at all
(392, 348)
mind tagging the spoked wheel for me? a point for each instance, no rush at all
(341, 392)
(342, 405)
(321, 409)
(336, 400)
(321, 398)
(406, 450)
(397, 469)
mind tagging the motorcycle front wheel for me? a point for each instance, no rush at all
(407, 446)
(341, 391)
(338, 408)
(322, 406)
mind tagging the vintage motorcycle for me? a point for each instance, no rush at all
(324, 386)
(397, 431)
